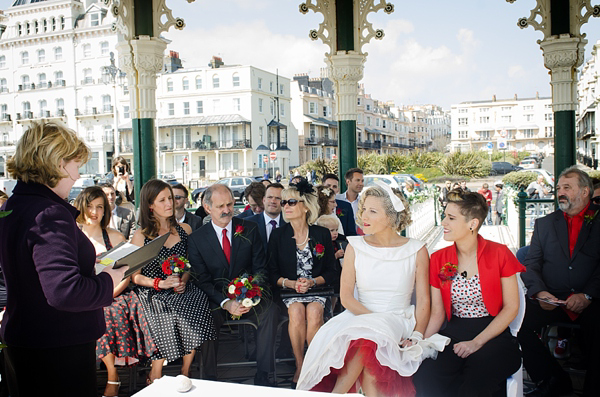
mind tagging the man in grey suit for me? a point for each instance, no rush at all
(122, 219)
(180, 199)
(563, 282)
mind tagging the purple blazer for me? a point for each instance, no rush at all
(54, 297)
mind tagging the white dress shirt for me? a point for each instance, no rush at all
(113, 215)
(269, 228)
(219, 231)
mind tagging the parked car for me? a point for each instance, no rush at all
(75, 190)
(529, 164)
(419, 184)
(503, 167)
(396, 181)
(548, 176)
(237, 184)
(538, 159)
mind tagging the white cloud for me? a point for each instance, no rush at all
(516, 71)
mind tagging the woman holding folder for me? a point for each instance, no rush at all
(127, 337)
(177, 312)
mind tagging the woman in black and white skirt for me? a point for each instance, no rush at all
(177, 312)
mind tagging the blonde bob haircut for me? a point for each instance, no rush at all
(40, 150)
(398, 220)
(309, 200)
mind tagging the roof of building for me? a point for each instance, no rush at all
(24, 2)
(190, 121)
(322, 120)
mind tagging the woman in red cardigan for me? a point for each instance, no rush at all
(474, 287)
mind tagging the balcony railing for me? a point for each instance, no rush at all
(5, 143)
(5, 117)
(87, 80)
(126, 148)
(204, 145)
(370, 144)
(320, 141)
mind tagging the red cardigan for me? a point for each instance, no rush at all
(494, 261)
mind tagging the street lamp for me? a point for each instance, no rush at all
(110, 74)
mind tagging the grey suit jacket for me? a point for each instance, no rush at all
(125, 222)
(550, 267)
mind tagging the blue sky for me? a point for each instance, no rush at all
(434, 51)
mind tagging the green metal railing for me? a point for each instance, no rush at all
(523, 201)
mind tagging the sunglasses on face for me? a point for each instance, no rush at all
(291, 202)
(179, 197)
(596, 200)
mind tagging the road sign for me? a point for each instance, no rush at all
(266, 159)
(273, 156)
(490, 145)
(334, 156)
(503, 133)
(502, 144)
(185, 160)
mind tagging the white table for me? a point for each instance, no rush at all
(165, 387)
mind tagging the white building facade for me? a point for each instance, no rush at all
(220, 121)
(588, 93)
(53, 59)
(522, 124)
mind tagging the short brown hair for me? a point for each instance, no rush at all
(84, 199)
(257, 191)
(324, 198)
(350, 173)
(471, 205)
(149, 224)
(40, 150)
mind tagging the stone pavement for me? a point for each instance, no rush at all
(499, 234)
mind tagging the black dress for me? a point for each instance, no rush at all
(178, 323)
(127, 334)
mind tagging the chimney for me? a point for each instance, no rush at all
(516, 97)
(494, 98)
(216, 62)
(537, 95)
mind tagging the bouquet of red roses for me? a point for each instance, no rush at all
(245, 289)
(175, 265)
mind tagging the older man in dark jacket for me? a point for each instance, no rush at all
(563, 280)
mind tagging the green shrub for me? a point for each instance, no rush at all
(321, 167)
(519, 179)
(468, 164)
(425, 159)
(594, 174)
(428, 173)
(440, 180)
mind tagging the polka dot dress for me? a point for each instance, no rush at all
(467, 301)
(178, 323)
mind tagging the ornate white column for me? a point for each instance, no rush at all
(346, 70)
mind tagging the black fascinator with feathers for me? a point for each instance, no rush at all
(303, 187)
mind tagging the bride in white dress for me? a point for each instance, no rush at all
(377, 343)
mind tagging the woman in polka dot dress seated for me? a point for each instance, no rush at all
(474, 286)
(177, 311)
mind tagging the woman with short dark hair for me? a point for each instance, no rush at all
(54, 311)
(474, 287)
(121, 179)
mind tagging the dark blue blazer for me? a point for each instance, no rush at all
(259, 219)
(346, 217)
(246, 214)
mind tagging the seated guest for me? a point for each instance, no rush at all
(327, 204)
(270, 219)
(181, 214)
(563, 274)
(177, 311)
(344, 209)
(122, 218)
(127, 337)
(339, 241)
(200, 211)
(474, 287)
(254, 193)
(301, 257)
(220, 251)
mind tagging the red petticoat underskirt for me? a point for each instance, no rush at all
(389, 382)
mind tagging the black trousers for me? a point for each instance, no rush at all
(68, 371)
(265, 314)
(483, 373)
(538, 361)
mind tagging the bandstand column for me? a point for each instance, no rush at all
(345, 30)
(563, 47)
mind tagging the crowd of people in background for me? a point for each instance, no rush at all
(316, 252)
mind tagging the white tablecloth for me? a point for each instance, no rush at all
(165, 387)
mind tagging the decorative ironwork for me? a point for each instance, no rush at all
(161, 12)
(326, 31)
(365, 7)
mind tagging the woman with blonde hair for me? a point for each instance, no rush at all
(127, 337)
(55, 298)
(377, 343)
(301, 257)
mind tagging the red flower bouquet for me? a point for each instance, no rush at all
(175, 265)
(244, 289)
(319, 250)
(448, 272)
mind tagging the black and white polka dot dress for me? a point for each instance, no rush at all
(467, 300)
(178, 322)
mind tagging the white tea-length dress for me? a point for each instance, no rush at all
(385, 280)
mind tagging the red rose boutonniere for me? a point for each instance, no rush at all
(239, 229)
(589, 216)
(339, 212)
(319, 251)
(448, 272)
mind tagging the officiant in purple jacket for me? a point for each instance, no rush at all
(54, 298)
